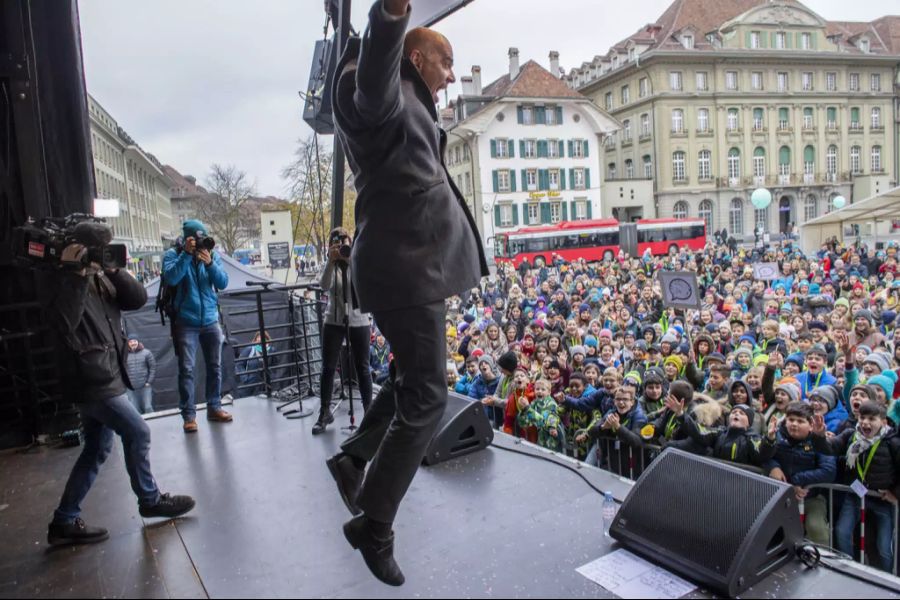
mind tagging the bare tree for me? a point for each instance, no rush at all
(227, 210)
(308, 179)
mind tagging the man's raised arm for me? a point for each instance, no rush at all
(378, 70)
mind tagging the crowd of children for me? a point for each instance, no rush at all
(796, 377)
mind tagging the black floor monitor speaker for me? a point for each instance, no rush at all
(464, 429)
(713, 523)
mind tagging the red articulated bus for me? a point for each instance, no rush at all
(598, 240)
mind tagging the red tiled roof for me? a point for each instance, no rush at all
(533, 81)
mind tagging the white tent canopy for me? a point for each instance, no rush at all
(874, 210)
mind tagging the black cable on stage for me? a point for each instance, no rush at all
(548, 458)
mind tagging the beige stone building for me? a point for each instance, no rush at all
(720, 97)
(125, 172)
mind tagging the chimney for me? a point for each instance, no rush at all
(554, 63)
(476, 80)
(467, 87)
(513, 63)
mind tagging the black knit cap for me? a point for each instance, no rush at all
(508, 361)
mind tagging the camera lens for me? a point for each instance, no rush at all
(345, 250)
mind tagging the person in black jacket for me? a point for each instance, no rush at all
(869, 454)
(85, 305)
(416, 244)
(735, 443)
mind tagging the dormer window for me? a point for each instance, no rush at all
(864, 46)
(631, 54)
(615, 61)
(688, 41)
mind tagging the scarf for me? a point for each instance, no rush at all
(861, 445)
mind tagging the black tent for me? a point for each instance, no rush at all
(240, 321)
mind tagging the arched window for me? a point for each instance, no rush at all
(876, 159)
(677, 121)
(611, 171)
(678, 171)
(831, 165)
(703, 120)
(681, 210)
(759, 162)
(732, 119)
(629, 169)
(706, 213)
(734, 163)
(807, 118)
(736, 217)
(758, 119)
(855, 162)
(809, 161)
(811, 208)
(784, 161)
(704, 165)
(626, 130)
(648, 167)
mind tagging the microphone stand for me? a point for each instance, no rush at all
(350, 364)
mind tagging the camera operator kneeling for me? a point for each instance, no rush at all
(85, 304)
(338, 265)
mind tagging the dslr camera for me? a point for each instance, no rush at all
(344, 241)
(40, 244)
(204, 242)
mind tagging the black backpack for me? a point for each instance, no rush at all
(165, 298)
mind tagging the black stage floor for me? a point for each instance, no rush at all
(268, 523)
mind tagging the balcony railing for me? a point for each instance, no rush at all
(809, 178)
(856, 127)
(784, 179)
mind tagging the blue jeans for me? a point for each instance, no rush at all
(188, 339)
(142, 399)
(880, 513)
(100, 419)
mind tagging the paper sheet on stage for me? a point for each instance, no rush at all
(630, 576)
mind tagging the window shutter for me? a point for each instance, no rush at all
(799, 39)
(511, 148)
(763, 40)
(562, 179)
(545, 213)
(854, 115)
(572, 179)
(512, 181)
(809, 154)
(588, 202)
(587, 179)
(585, 148)
(524, 180)
(493, 148)
(542, 148)
(787, 40)
(515, 214)
(565, 212)
(832, 113)
(749, 41)
(496, 177)
(783, 114)
(519, 114)
(812, 41)
(559, 115)
(545, 179)
(497, 215)
(561, 152)
(571, 149)
(540, 115)
(772, 38)
(522, 148)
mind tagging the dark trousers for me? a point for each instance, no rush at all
(332, 338)
(403, 417)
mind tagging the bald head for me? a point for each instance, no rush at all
(432, 55)
(425, 41)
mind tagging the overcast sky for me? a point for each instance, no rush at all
(198, 82)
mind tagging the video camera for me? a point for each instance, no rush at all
(41, 244)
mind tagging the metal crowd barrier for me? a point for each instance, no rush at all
(831, 488)
(294, 325)
(623, 460)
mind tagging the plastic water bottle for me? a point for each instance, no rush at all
(610, 508)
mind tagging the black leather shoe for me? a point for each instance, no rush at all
(378, 554)
(60, 534)
(348, 479)
(168, 506)
(325, 419)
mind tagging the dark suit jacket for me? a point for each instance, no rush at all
(416, 241)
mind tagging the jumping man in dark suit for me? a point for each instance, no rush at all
(416, 244)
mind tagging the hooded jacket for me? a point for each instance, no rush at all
(196, 286)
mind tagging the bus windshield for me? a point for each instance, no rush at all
(500, 246)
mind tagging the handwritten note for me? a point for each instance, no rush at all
(630, 576)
